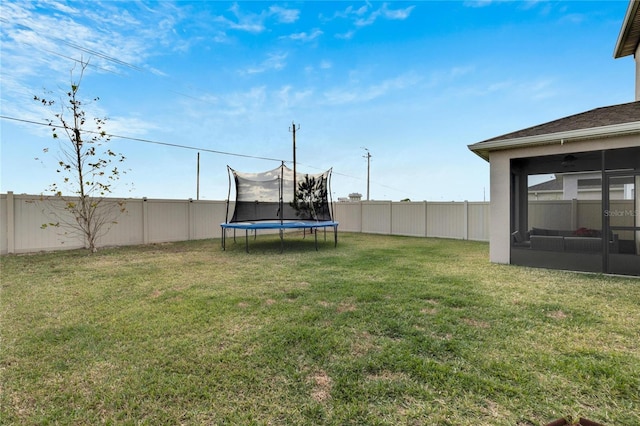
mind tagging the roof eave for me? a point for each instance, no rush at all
(626, 46)
(483, 149)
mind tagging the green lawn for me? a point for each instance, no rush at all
(380, 330)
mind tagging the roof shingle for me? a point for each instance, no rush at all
(599, 117)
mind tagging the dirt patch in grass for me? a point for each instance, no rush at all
(362, 344)
(346, 307)
(389, 376)
(558, 315)
(322, 384)
(476, 323)
(431, 308)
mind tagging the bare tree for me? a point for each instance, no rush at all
(88, 169)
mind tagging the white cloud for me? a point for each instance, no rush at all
(539, 89)
(385, 13)
(255, 23)
(527, 90)
(350, 11)
(129, 126)
(288, 97)
(41, 41)
(365, 16)
(274, 61)
(304, 36)
(243, 103)
(62, 7)
(478, 3)
(283, 15)
(351, 94)
(396, 14)
(249, 22)
(346, 36)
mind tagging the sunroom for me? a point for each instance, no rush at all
(589, 219)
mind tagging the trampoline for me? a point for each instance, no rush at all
(279, 200)
(281, 226)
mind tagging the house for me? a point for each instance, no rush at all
(599, 233)
(579, 186)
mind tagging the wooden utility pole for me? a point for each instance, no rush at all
(293, 129)
(368, 157)
(198, 179)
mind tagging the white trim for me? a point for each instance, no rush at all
(483, 148)
(632, 9)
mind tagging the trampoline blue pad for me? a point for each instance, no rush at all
(279, 225)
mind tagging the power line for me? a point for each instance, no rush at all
(74, 46)
(193, 148)
(174, 145)
(75, 60)
(100, 55)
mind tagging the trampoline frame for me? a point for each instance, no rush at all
(281, 226)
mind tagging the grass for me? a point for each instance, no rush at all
(379, 331)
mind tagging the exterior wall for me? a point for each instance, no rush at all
(499, 175)
(582, 195)
(500, 183)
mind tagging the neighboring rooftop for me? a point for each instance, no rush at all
(556, 184)
(550, 185)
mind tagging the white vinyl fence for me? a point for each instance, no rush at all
(458, 220)
(149, 221)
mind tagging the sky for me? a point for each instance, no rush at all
(412, 83)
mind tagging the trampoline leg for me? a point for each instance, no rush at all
(316, 237)
(223, 235)
(335, 236)
(246, 240)
(281, 240)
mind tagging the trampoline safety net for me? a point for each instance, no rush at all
(275, 195)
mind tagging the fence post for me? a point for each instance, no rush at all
(466, 219)
(189, 221)
(426, 221)
(11, 225)
(145, 221)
